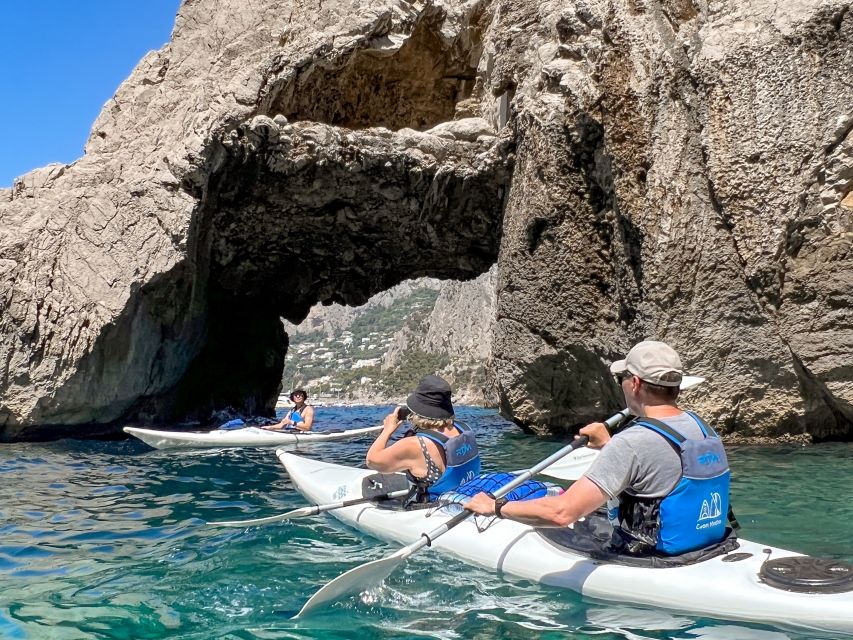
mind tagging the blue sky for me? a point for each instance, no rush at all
(60, 61)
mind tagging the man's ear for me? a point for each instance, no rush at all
(636, 384)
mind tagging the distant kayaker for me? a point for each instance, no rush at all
(443, 452)
(664, 478)
(301, 416)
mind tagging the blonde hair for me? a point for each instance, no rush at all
(430, 423)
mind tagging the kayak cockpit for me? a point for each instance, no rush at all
(591, 537)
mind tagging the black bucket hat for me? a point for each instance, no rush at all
(431, 399)
(295, 391)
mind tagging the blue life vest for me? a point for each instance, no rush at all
(692, 515)
(461, 456)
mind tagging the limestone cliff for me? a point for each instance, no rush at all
(665, 168)
(683, 172)
(460, 327)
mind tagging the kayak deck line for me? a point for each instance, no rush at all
(729, 590)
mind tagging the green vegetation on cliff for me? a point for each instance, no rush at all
(338, 361)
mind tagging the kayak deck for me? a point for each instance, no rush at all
(726, 586)
(245, 437)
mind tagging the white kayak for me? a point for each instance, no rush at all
(726, 586)
(244, 437)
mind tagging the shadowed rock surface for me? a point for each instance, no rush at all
(669, 169)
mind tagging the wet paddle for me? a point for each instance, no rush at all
(574, 465)
(313, 510)
(355, 580)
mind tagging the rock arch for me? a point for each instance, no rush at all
(309, 196)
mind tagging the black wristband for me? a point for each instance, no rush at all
(499, 503)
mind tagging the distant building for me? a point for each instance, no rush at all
(367, 362)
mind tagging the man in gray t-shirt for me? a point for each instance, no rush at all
(641, 461)
(637, 460)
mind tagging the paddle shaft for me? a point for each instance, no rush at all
(313, 510)
(611, 422)
(427, 538)
(320, 508)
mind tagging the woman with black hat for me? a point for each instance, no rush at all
(442, 455)
(300, 417)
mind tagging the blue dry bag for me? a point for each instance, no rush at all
(236, 423)
(491, 482)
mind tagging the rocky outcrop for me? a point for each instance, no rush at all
(682, 172)
(331, 320)
(146, 280)
(459, 327)
(664, 168)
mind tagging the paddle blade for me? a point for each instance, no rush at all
(354, 581)
(688, 382)
(572, 467)
(296, 513)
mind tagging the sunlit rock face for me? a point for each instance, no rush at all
(683, 172)
(643, 169)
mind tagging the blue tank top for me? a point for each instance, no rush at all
(462, 458)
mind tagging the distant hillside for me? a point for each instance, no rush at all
(378, 352)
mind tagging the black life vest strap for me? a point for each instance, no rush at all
(440, 437)
(731, 516)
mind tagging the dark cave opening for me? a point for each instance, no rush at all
(273, 239)
(239, 367)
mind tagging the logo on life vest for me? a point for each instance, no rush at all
(708, 458)
(465, 448)
(713, 509)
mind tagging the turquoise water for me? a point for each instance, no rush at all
(108, 540)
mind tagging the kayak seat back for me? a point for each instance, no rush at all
(378, 484)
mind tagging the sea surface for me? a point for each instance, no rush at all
(109, 539)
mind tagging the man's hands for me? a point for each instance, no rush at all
(597, 433)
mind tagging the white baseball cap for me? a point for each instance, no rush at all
(652, 361)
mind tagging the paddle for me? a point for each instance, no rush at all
(574, 465)
(354, 580)
(313, 510)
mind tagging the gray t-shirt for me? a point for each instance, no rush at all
(641, 460)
